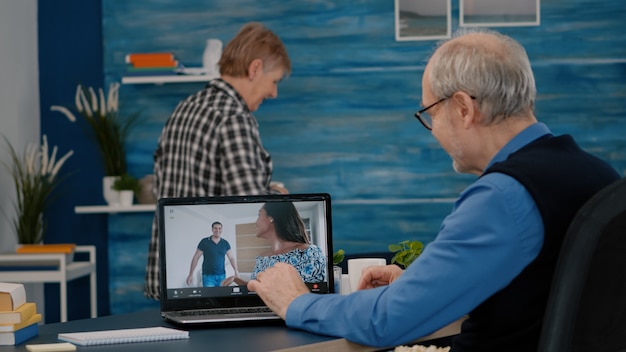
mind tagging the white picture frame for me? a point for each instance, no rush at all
(422, 19)
(499, 13)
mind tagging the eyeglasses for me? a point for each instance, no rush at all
(424, 117)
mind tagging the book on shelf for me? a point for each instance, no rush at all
(10, 338)
(151, 73)
(147, 60)
(15, 327)
(11, 296)
(155, 63)
(18, 315)
(66, 248)
(155, 68)
(158, 56)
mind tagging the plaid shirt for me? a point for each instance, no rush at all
(210, 146)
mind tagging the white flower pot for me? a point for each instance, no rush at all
(126, 198)
(111, 196)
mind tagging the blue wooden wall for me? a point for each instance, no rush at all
(343, 121)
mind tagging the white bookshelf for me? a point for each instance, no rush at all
(61, 271)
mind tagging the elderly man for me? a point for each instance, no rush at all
(495, 253)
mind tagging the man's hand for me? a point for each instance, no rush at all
(375, 276)
(278, 286)
(279, 189)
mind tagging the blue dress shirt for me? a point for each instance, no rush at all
(493, 232)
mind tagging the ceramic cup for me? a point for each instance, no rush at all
(356, 266)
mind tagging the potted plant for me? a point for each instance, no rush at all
(108, 129)
(338, 257)
(35, 175)
(128, 186)
(406, 252)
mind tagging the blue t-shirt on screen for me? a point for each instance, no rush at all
(213, 255)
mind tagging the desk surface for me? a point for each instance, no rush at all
(240, 338)
(248, 338)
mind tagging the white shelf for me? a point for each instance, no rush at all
(63, 272)
(95, 209)
(165, 79)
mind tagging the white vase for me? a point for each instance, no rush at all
(126, 198)
(111, 196)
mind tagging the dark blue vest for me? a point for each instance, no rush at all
(561, 178)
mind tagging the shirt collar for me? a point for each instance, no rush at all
(230, 90)
(523, 138)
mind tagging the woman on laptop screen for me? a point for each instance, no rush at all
(282, 226)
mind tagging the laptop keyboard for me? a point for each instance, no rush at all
(222, 311)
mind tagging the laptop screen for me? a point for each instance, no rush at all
(211, 246)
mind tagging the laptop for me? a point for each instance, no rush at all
(186, 298)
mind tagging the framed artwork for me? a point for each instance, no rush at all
(422, 19)
(499, 13)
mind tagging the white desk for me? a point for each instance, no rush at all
(64, 272)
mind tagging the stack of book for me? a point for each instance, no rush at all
(18, 319)
(152, 64)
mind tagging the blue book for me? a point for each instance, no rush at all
(144, 73)
(16, 337)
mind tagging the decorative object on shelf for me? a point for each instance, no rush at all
(111, 196)
(152, 64)
(406, 252)
(108, 128)
(127, 187)
(146, 194)
(211, 57)
(35, 175)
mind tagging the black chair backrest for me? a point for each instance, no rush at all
(586, 310)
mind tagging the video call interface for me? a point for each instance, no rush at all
(186, 225)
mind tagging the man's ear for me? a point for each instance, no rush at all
(254, 68)
(466, 108)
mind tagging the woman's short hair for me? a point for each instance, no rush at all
(496, 72)
(254, 41)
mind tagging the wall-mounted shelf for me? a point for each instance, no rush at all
(96, 209)
(167, 79)
(163, 79)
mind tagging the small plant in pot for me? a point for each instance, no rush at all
(406, 252)
(338, 257)
(128, 186)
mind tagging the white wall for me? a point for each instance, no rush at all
(19, 97)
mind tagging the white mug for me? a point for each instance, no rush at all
(356, 266)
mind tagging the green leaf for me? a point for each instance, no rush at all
(406, 252)
(394, 247)
(338, 256)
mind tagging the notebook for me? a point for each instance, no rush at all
(107, 337)
(185, 222)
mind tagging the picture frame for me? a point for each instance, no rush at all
(422, 19)
(499, 13)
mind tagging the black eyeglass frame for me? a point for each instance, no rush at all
(418, 115)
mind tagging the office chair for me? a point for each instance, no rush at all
(586, 309)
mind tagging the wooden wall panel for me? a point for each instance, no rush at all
(343, 121)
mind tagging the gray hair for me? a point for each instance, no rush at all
(498, 74)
